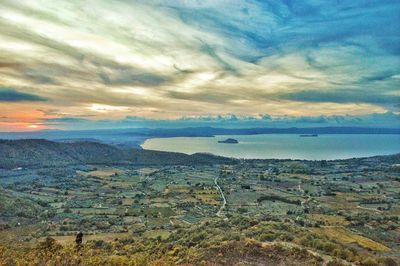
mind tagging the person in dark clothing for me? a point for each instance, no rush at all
(78, 240)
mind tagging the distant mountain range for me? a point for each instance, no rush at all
(211, 131)
(133, 137)
(44, 153)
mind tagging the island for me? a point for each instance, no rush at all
(309, 135)
(229, 141)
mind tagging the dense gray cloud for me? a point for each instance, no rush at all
(11, 95)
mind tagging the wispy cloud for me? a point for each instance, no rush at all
(167, 59)
(345, 96)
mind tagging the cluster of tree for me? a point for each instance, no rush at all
(279, 198)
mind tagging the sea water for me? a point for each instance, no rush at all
(283, 146)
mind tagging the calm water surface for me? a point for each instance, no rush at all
(283, 146)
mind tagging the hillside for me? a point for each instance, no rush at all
(39, 153)
(143, 207)
(18, 209)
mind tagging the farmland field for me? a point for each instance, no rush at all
(330, 208)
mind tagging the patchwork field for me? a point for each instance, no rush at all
(331, 209)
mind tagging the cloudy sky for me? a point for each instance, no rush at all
(63, 63)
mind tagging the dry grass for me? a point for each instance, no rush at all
(177, 189)
(164, 234)
(208, 197)
(65, 240)
(344, 236)
(342, 201)
(329, 219)
(102, 173)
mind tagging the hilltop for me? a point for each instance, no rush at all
(40, 153)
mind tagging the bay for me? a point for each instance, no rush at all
(283, 146)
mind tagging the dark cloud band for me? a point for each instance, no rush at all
(11, 95)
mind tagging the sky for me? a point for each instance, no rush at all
(107, 63)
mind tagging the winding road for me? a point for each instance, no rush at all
(222, 195)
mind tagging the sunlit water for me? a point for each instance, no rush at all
(283, 146)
